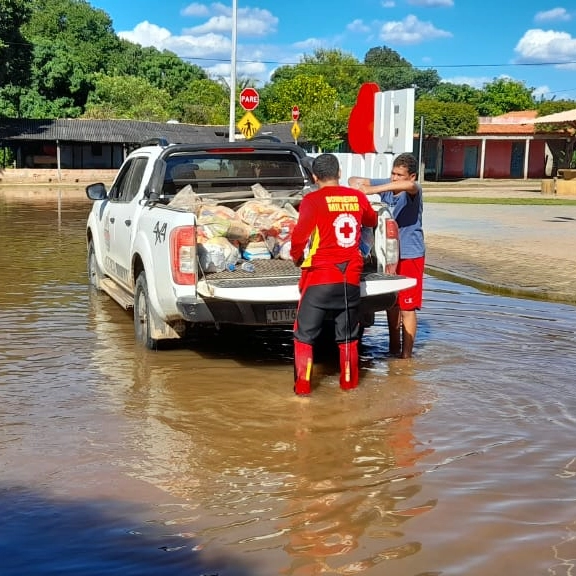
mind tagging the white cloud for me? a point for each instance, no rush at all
(309, 44)
(411, 31)
(186, 46)
(547, 46)
(255, 70)
(210, 45)
(478, 81)
(250, 22)
(431, 3)
(195, 10)
(147, 34)
(541, 92)
(358, 27)
(474, 81)
(554, 14)
(388, 4)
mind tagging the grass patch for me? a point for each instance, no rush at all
(502, 201)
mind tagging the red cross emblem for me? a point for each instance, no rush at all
(345, 228)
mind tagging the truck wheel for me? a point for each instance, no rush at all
(95, 275)
(142, 319)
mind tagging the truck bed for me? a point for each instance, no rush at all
(266, 272)
(276, 279)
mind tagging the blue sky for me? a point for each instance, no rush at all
(466, 41)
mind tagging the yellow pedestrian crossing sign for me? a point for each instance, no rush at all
(249, 125)
(295, 131)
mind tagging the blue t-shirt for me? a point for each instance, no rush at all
(407, 211)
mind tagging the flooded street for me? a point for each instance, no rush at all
(200, 461)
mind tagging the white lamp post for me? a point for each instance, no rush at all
(232, 127)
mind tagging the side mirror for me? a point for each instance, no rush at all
(96, 191)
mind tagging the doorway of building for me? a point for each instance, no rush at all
(517, 160)
(471, 162)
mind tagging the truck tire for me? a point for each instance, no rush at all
(142, 314)
(95, 275)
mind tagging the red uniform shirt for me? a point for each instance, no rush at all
(329, 223)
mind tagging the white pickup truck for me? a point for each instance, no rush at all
(148, 244)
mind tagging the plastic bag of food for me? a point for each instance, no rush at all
(280, 224)
(256, 251)
(215, 254)
(239, 231)
(214, 221)
(260, 192)
(186, 199)
(256, 212)
(279, 248)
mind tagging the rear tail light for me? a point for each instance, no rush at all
(392, 247)
(183, 255)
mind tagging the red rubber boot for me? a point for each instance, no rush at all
(348, 365)
(303, 359)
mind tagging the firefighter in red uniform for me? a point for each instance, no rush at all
(325, 243)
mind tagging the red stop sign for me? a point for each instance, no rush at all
(295, 113)
(249, 98)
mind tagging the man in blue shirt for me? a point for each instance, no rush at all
(403, 194)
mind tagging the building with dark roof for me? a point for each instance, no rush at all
(103, 144)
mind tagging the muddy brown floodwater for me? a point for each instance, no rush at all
(200, 461)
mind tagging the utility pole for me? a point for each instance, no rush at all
(232, 126)
(421, 166)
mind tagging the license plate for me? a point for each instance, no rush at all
(280, 315)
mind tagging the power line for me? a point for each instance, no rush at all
(362, 64)
(409, 65)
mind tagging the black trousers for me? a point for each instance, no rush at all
(339, 302)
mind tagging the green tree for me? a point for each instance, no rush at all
(326, 127)
(163, 70)
(455, 93)
(72, 41)
(6, 157)
(304, 91)
(203, 102)
(343, 71)
(15, 51)
(128, 97)
(546, 107)
(10, 97)
(284, 73)
(33, 105)
(167, 71)
(86, 32)
(393, 72)
(445, 118)
(504, 95)
(59, 76)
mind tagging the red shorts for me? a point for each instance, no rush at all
(411, 298)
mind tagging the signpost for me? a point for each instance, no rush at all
(295, 128)
(249, 125)
(249, 98)
(295, 131)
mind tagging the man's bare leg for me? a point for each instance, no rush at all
(394, 324)
(409, 326)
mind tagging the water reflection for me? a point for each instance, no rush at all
(266, 480)
(459, 461)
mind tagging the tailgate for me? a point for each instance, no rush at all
(277, 281)
(273, 280)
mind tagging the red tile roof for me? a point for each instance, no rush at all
(512, 123)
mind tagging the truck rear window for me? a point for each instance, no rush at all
(223, 171)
